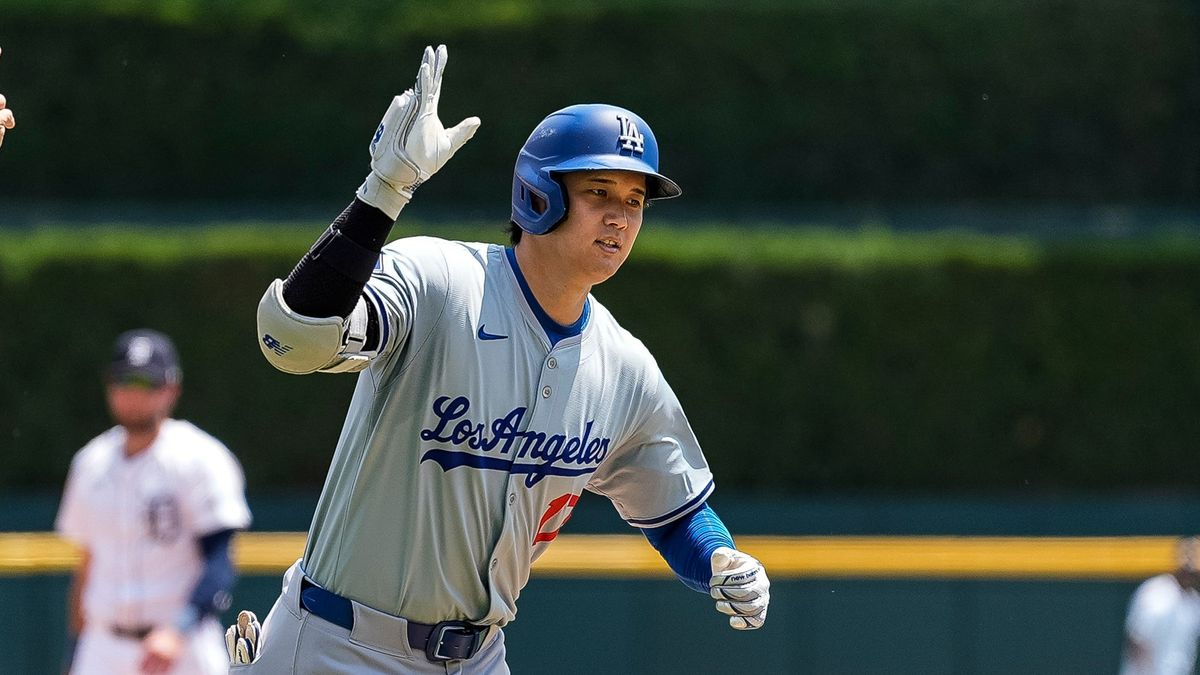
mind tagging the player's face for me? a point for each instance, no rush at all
(139, 408)
(604, 216)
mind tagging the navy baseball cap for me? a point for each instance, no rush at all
(144, 357)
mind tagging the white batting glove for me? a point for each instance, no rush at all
(740, 586)
(411, 144)
(241, 639)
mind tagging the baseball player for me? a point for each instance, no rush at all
(7, 121)
(1163, 622)
(493, 390)
(153, 503)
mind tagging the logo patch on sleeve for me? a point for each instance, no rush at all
(275, 345)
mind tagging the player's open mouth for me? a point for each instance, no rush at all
(609, 245)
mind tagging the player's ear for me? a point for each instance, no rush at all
(170, 395)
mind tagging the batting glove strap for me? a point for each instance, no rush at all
(379, 193)
(740, 586)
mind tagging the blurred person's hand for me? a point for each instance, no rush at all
(7, 121)
(161, 649)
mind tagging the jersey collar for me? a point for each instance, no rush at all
(555, 331)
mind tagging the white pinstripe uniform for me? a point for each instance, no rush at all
(139, 518)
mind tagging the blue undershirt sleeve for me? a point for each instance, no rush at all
(212, 593)
(687, 545)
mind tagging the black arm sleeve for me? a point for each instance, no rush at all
(329, 278)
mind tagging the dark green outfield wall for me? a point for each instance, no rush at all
(805, 361)
(811, 100)
(823, 626)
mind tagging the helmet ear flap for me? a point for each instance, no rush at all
(535, 202)
(538, 203)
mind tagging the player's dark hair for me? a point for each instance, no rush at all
(514, 233)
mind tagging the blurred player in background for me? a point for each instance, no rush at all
(153, 503)
(7, 121)
(494, 390)
(1163, 623)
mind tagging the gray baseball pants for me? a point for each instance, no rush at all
(296, 642)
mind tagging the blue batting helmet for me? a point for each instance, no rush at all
(581, 138)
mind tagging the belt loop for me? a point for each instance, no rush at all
(381, 631)
(291, 588)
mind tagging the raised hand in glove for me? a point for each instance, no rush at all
(740, 586)
(411, 144)
(241, 639)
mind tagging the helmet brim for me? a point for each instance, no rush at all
(660, 187)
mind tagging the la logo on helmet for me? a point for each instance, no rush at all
(631, 139)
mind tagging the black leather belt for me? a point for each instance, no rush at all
(131, 632)
(443, 641)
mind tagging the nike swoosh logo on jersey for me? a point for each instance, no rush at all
(484, 335)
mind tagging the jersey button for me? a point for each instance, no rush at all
(546, 391)
(512, 498)
(552, 363)
(494, 563)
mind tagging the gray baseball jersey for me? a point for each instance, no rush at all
(469, 439)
